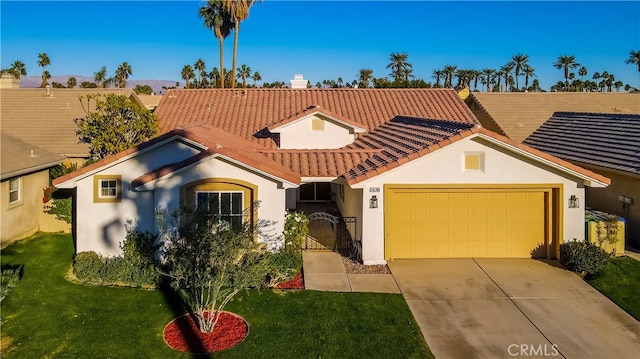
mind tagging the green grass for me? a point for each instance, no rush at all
(46, 316)
(620, 281)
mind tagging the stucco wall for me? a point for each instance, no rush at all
(446, 166)
(300, 135)
(606, 199)
(271, 194)
(350, 205)
(101, 227)
(21, 219)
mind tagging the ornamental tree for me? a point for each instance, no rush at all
(113, 123)
(209, 262)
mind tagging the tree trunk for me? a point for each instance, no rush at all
(235, 53)
(220, 42)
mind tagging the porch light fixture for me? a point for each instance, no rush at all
(373, 202)
(574, 202)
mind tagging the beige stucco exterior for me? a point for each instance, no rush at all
(446, 166)
(606, 199)
(25, 217)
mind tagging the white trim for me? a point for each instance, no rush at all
(18, 190)
(317, 179)
(115, 188)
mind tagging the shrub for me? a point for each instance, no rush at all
(583, 257)
(136, 268)
(282, 266)
(9, 278)
(296, 228)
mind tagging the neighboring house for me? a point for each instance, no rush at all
(605, 143)
(24, 174)
(517, 114)
(412, 166)
(44, 117)
(150, 102)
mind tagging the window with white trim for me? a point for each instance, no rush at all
(14, 190)
(108, 188)
(222, 206)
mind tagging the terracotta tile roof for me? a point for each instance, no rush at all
(605, 140)
(312, 110)
(216, 142)
(517, 115)
(324, 163)
(47, 121)
(244, 112)
(19, 158)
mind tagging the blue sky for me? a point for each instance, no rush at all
(322, 39)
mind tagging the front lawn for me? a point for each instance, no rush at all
(620, 281)
(47, 316)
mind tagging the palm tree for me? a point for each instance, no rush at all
(634, 58)
(449, 71)
(364, 78)
(256, 77)
(187, 74)
(609, 82)
(72, 82)
(122, 74)
(400, 67)
(506, 72)
(582, 72)
(214, 77)
(596, 76)
(239, 11)
(244, 71)
(566, 62)
(437, 74)
(217, 18)
(618, 84)
(488, 73)
(528, 72)
(100, 77)
(519, 61)
(201, 69)
(499, 75)
(18, 69)
(44, 61)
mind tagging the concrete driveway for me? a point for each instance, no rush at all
(506, 308)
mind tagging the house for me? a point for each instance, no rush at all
(518, 114)
(44, 117)
(413, 167)
(24, 173)
(608, 144)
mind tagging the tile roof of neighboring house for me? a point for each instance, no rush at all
(517, 114)
(19, 157)
(244, 112)
(150, 102)
(604, 140)
(47, 120)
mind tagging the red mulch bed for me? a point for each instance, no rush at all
(183, 334)
(296, 282)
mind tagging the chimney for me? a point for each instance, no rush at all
(298, 82)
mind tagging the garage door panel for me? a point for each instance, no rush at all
(424, 223)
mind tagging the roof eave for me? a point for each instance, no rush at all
(32, 169)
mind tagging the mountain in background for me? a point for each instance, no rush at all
(35, 81)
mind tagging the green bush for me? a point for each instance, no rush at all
(583, 257)
(135, 268)
(9, 277)
(282, 266)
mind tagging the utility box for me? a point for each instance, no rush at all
(598, 224)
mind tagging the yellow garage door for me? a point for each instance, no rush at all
(496, 223)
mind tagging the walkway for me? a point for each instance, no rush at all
(324, 271)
